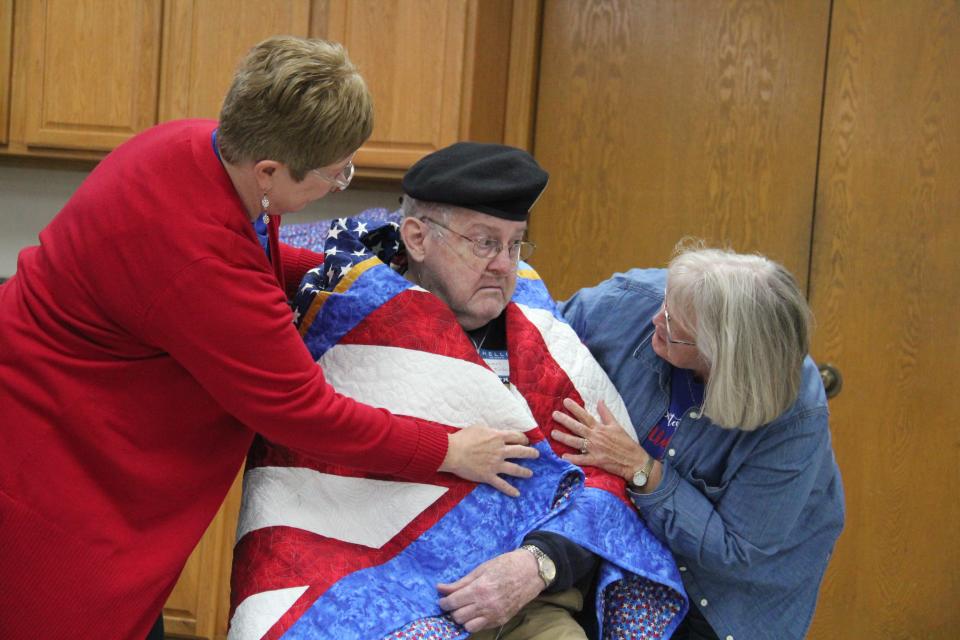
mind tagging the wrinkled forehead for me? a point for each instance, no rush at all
(479, 222)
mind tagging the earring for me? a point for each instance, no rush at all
(264, 202)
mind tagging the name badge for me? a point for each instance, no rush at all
(499, 362)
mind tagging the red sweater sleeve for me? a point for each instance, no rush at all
(231, 329)
(296, 262)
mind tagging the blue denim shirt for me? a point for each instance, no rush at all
(751, 516)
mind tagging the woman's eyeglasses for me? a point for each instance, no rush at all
(666, 318)
(342, 179)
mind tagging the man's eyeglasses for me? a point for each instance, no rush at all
(342, 179)
(489, 248)
(666, 318)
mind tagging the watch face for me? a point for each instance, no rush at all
(548, 569)
(639, 478)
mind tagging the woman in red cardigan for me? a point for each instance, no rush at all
(147, 339)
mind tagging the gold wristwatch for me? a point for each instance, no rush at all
(545, 566)
(642, 475)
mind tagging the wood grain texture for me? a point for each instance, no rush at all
(485, 66)
(885, 281)
(522, 74)
(411, 55)
(204, 41)
(6, 46)
(92, 75)
(663, 119)
(199, 605)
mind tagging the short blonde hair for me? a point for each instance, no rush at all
(297, 101)
(752, 327)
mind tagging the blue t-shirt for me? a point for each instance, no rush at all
(685, 392)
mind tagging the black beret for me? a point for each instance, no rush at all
(491, 178)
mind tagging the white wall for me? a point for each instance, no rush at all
(31, 195)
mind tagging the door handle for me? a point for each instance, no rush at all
(832, 380)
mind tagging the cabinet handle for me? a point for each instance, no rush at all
(832, 380)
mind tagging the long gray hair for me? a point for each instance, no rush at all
(752, 327)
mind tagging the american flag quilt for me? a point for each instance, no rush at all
(327, 552)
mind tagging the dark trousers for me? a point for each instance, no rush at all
(157, 632)
(694, 627)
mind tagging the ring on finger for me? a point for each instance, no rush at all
(585, 447)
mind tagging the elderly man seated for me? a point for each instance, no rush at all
(430, 318)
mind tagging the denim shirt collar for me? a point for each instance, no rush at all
(645, 354)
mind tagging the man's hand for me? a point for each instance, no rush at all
(494, 592)
(479, 453)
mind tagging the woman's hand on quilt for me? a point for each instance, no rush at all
(601, 443)
(480, 454)
(494, 592)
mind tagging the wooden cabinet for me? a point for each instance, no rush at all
(88, 74)
(439, 71)
(6, 36)
(205, 41)
(199, 606)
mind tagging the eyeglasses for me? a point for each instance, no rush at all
(342, 179)
(489, 248)
(666, 318)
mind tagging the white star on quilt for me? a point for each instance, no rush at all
(358, 253)
(296, 316)
(334, 232)
(332, 251)
(361, 228)
(344, 270)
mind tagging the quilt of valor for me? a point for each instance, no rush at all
(325, 551)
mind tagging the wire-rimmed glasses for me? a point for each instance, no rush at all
(342, 179)
(489, 248)
(666, 318)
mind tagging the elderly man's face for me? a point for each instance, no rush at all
(476, 289)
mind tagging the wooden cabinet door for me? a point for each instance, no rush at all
(411, 54)
(6, 40)
(205, 41)
(660, 119)
(884, 285)
(439, 71)
(92, 75)
(200, 603)
(664, 119)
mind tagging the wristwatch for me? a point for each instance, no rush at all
(545, 566)
(642, 475)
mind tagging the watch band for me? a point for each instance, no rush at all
(546, 568)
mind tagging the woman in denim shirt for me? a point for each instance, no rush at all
(730, 464)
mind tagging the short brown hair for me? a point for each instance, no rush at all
(297, 101)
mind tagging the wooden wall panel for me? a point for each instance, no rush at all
(885, 284)
(668, 118)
